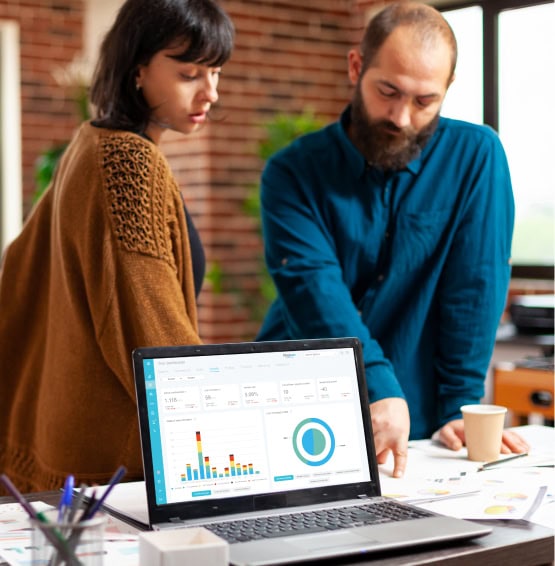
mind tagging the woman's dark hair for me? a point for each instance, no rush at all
(142, 29)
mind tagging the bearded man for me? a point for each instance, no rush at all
(394, 225)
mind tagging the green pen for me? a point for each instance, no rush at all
(58, 541)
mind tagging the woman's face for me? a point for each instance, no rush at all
(179, 94)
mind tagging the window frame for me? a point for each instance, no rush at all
(491, 10)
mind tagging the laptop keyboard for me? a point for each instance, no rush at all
(314, 521)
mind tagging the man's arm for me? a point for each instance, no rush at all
(301, 257)
(473, 287)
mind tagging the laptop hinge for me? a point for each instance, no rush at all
(175, 520)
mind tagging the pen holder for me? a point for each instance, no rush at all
(79, 543)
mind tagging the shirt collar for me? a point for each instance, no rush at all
(355, 159)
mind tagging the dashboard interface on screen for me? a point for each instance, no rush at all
(246, 424)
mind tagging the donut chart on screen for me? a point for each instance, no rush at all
(313, 441)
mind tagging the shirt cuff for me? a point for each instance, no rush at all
(382, 383)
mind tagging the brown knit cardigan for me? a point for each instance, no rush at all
(102, 266)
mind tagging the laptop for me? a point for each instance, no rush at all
(269, 445)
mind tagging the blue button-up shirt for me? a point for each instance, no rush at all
(415, 263)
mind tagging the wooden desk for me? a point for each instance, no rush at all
(512, 543)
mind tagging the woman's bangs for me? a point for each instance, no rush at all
(210, 45)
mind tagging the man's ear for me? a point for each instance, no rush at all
(355, 65)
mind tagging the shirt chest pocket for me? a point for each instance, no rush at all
(421, 239)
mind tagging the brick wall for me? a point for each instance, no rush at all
(51, 35)
(289, 56)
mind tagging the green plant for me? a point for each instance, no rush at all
(44, 168)
(75, 79)
(215, 276)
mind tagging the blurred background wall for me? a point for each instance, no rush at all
(290, 58)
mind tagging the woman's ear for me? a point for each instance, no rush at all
(138, 77)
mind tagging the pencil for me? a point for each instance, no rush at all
(488, 465)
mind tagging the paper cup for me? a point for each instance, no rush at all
(483, 430)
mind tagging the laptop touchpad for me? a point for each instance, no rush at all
(318, 542)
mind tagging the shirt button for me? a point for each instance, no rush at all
(381, 277)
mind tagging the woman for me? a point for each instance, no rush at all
(109, 259)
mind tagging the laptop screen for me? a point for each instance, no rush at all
(240, 420)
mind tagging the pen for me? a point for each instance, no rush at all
(488, 465)
(120, 472)
(90, 503)
(73, 538)
(65, 501)
(77, 502)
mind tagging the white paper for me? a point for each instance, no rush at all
(457, 488)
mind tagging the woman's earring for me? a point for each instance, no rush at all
(137, 86)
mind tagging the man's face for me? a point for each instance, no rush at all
(396, 102)
(382, 143)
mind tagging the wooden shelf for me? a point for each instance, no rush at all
(524, 391)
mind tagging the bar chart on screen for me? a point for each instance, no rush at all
(206, 470)
(218, 452)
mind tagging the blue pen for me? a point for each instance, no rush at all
(65, 501)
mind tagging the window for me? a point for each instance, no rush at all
(504, 78)
(10, 135)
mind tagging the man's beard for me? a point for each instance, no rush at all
(380, 148)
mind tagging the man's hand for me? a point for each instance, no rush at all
(391, 425)
(452, 435)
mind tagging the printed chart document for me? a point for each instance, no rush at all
(445, 481)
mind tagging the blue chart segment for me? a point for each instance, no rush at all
(313, 442)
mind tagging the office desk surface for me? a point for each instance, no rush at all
(512, 542)
(515, 543)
